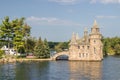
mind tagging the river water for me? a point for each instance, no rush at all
(108, 69)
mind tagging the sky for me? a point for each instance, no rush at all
(56, 20)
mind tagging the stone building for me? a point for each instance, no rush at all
(89, 47)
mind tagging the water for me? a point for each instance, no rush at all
(108, 69)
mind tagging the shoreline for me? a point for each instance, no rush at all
(9, 60)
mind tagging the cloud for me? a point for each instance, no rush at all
(65, 1)
(105, 1)
(106, 17)
(50, 21)
(71, 2)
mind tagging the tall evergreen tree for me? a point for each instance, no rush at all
(6, 31)
(46, 49)
(39, 49)
(30, 44)
(42, 49)
(14, 32)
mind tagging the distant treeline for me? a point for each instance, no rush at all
(111, 46)
(58, 46)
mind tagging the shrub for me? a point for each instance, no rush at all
(1, 53)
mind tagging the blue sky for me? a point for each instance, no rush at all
(56, 20)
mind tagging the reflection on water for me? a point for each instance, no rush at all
(85, 70)
(109, 69)
(7, 71)
(32, 71)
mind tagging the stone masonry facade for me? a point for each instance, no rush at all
(89, 47)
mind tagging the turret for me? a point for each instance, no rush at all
(77, 37)
(95, 33)
(86, 36)
(95, 42)
(73, 43)
(73, 39)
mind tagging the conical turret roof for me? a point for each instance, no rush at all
(77, 36)
(95, 25)
(73, 39)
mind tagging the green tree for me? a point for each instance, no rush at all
(1, 53)
(42, 49)
(111, 46)
(46, 49)
(117, 49)
(39, 49)
(6, 31)
(30, 44)
(18, 40)
(14, 33)
(61, 46)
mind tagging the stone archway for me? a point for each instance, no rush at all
(62, 57)
(54, 57)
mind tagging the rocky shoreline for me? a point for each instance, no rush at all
(10, 60)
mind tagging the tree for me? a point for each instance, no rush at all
(18, 41)
(61, 46)
(30, 44)
(46, 49)
(39, 49)
(14, 33)
(111, 46)
(117, 49)
(1, 53)
(6, 31)
(42, 49)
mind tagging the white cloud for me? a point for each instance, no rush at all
(65, 1)
(105, 1)
(69, 2)
(50, 21)
(106, 17)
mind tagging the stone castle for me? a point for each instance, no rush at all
(89, 47)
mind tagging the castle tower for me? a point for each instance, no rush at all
(73, 39)
(86, 36)
(73, 42)
(95, 42)
(77, 36)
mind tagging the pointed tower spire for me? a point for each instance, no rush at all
(77, 36)
(85, 31)
(95, 25)
(95, 28)
(73, 39)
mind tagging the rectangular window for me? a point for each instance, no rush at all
(94, 50)
(79, 55)
(94, 41)
(83, 47)
(88, 47)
